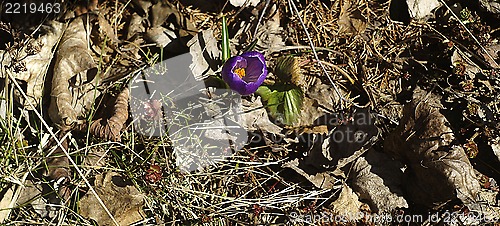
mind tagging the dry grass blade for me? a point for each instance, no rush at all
(60, 145)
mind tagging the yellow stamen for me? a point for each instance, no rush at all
(240, 72)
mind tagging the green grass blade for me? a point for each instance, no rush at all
(226, 52)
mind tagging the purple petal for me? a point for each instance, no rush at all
(256, 66)
(232, 79)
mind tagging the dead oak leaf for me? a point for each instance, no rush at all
(377, 178)
(119, 196)
(438, 169)
(74, 79)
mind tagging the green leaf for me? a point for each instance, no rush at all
(293, 104)
(283, 101)
(226, 52)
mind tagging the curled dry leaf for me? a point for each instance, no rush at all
(120, 197)
(377, 178)
(36, 55)
(438, 168)
(323, 180)
(317, 94)
(73, 83)
(109, 125)
(135, 26)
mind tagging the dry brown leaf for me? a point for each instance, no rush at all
(74, 80)
(438, 169)
(206, 54)
(36, 63)
(57, 162)
(106, 31)
(32, 194)
(494, 51)
(347, 204)
(377, 179)
(119, 195)
(158, 14)
(109, 125)
(351, 20)
(255, 117)
(142, 6)
(135, 26)
(317, 94)
(7, 203)
(345, 140)
(58, 167)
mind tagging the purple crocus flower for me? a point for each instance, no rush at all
(245, 73)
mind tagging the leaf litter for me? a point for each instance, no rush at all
(428, 149)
